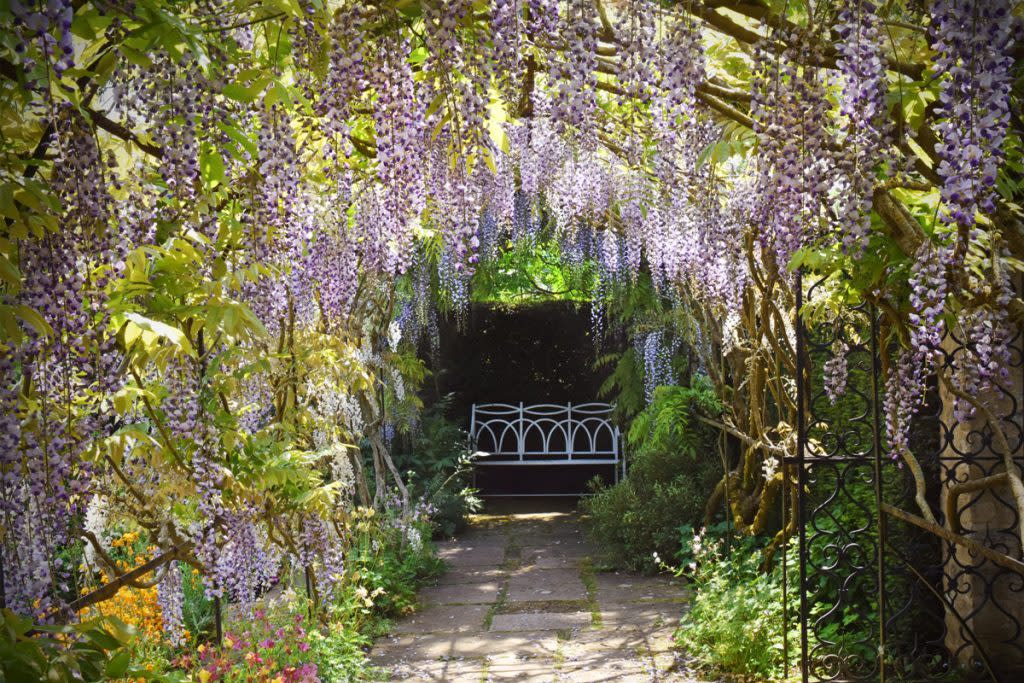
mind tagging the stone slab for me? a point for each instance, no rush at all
(473, 555)
(460, 594)
(538, 585)
(594, 643)
(522, 646)
(473, 575)
(607, 665)
(540, 621)
(444, 619)
(622, 588)
(647, 615)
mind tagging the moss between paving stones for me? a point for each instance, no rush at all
(590, 583)
(497, 605)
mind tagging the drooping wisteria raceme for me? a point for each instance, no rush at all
(862, 64)
(973, 40)
(655, 353)
(170, 597)
(836, 371)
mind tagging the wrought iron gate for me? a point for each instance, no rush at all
(900, 581)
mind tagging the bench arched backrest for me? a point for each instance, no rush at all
(544, 433)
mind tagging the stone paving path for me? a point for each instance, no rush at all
(521, 602)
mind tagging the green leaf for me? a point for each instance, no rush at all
(101, 638)
(7, 206)
(32, 317)
(919, 152)
(157, 329)
(118, 664)
(10, 274)
(211, 164)
(245, 93)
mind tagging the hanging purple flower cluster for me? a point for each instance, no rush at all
(636, 71)
(400, 135)
(506, 27)
(247, 563)
(461, 71)
(170, 596)
(456, 208)
(927, 300)
(904, 390)
(981, 365)
(862, 64)
(790, 109)
(453, 286)
(973, 40)
(836, 371)
(321, 549)
(682, 67)
(574, 102)
(64, 371)
(543, 18)
(346, 77)
(655, 350)
(39, 25)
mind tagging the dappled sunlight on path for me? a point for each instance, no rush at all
(521, 602)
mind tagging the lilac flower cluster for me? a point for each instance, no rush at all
(37, 21)
(170, 597)
(927, 300)
(972, 39)
(836, 371)
(574, 102)
(790, 109)
(904, 390)
(862, 64)
(655, 350)
(400, 131)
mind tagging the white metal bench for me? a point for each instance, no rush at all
(507, 435)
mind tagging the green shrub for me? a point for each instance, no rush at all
(438, 469)
(93, 650)
(735, 622)
(196, 608)
(672, 471)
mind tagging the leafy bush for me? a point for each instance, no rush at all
(196, 608)
(92, 650)
(671, 473)
(735, 622)
(438, 468)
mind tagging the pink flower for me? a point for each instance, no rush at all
(303, 646)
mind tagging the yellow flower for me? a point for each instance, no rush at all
(228, 642)
(204, 676)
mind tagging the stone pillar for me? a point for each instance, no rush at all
(989, 598)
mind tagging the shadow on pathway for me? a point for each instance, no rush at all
(521, 602)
